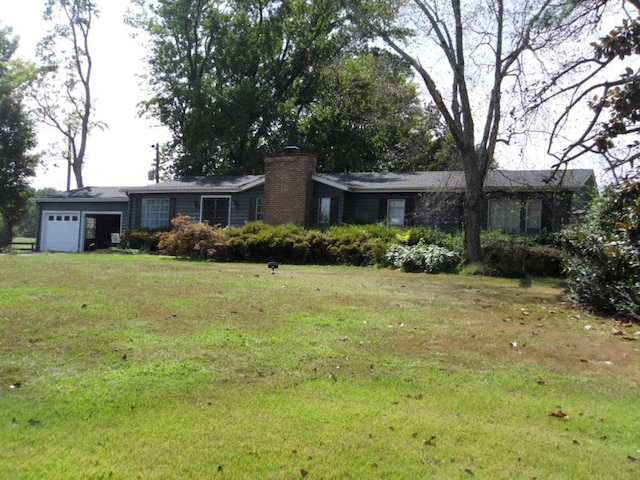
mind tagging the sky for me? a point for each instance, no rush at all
(122, 154)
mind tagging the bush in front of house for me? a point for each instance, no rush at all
(358, 245)
(195, 241)
(604, 264)
(520, 256)
(143, 239)
(423, 258)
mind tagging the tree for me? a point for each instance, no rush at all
(17, 137)
(588, 81)
(368, 116)
(230, 78)
(483, 45)
(62, 91)
(28, 224)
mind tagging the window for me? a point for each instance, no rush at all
(504, 214)
(259, 209)
(90, 228)
(155, 212)
(534, 215)
(396, 212)
(324, 210)
(216, 210)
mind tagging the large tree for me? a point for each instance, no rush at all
(62, 92)
(471, 56)
(17, 138)
(368, 115)
(229, 78)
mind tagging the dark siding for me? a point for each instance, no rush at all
(337, 203)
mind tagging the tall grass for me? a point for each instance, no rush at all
(145, 367)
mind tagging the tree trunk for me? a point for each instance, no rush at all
(6, 233)
(473, 223)
(473, 203)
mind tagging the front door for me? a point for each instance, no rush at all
(216, 210)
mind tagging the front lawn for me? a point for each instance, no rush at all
(148, 367)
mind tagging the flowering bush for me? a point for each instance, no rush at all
(423, 258)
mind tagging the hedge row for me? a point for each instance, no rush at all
(358, 245)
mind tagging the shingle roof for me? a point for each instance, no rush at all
(230, 183)
(454, 180)
(363, 182)
(93, 194)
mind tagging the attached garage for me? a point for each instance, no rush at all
(60, 231)
(81, 220)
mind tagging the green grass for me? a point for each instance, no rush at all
(148, 367)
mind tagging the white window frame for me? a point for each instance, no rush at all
(154, 212)
(396, 212)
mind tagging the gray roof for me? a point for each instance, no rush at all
(362, 182)
(453, 181)
(87, 194)
(228, 184)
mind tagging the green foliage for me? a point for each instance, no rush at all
(229, 79)
(604, 266)
(194, 241)
(17, 138)
(368, 116)
(423, 258)
(520, 256)
(144, 239)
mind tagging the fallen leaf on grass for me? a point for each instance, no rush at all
(558, 414)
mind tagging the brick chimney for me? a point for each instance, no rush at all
(288, 187)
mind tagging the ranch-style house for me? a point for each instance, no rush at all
(290, 190)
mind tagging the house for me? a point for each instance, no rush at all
(291, 190)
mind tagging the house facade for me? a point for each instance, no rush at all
(291, 190)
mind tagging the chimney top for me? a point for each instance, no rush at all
(291, 149)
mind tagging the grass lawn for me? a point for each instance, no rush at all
(127, 367)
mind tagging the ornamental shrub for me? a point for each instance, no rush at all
(195, 241)
(514, 256)
(144, 239)
(603, 266)
(423, 258)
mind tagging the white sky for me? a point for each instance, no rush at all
(122, 154)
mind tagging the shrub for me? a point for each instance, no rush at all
(196, 241)
(604, 262)
(423, 258)
(145, 239)
(520, 256)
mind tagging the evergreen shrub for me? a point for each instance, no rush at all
(144, 239)
(520, 256)
(603, 265)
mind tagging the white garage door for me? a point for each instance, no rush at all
(60, 231)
